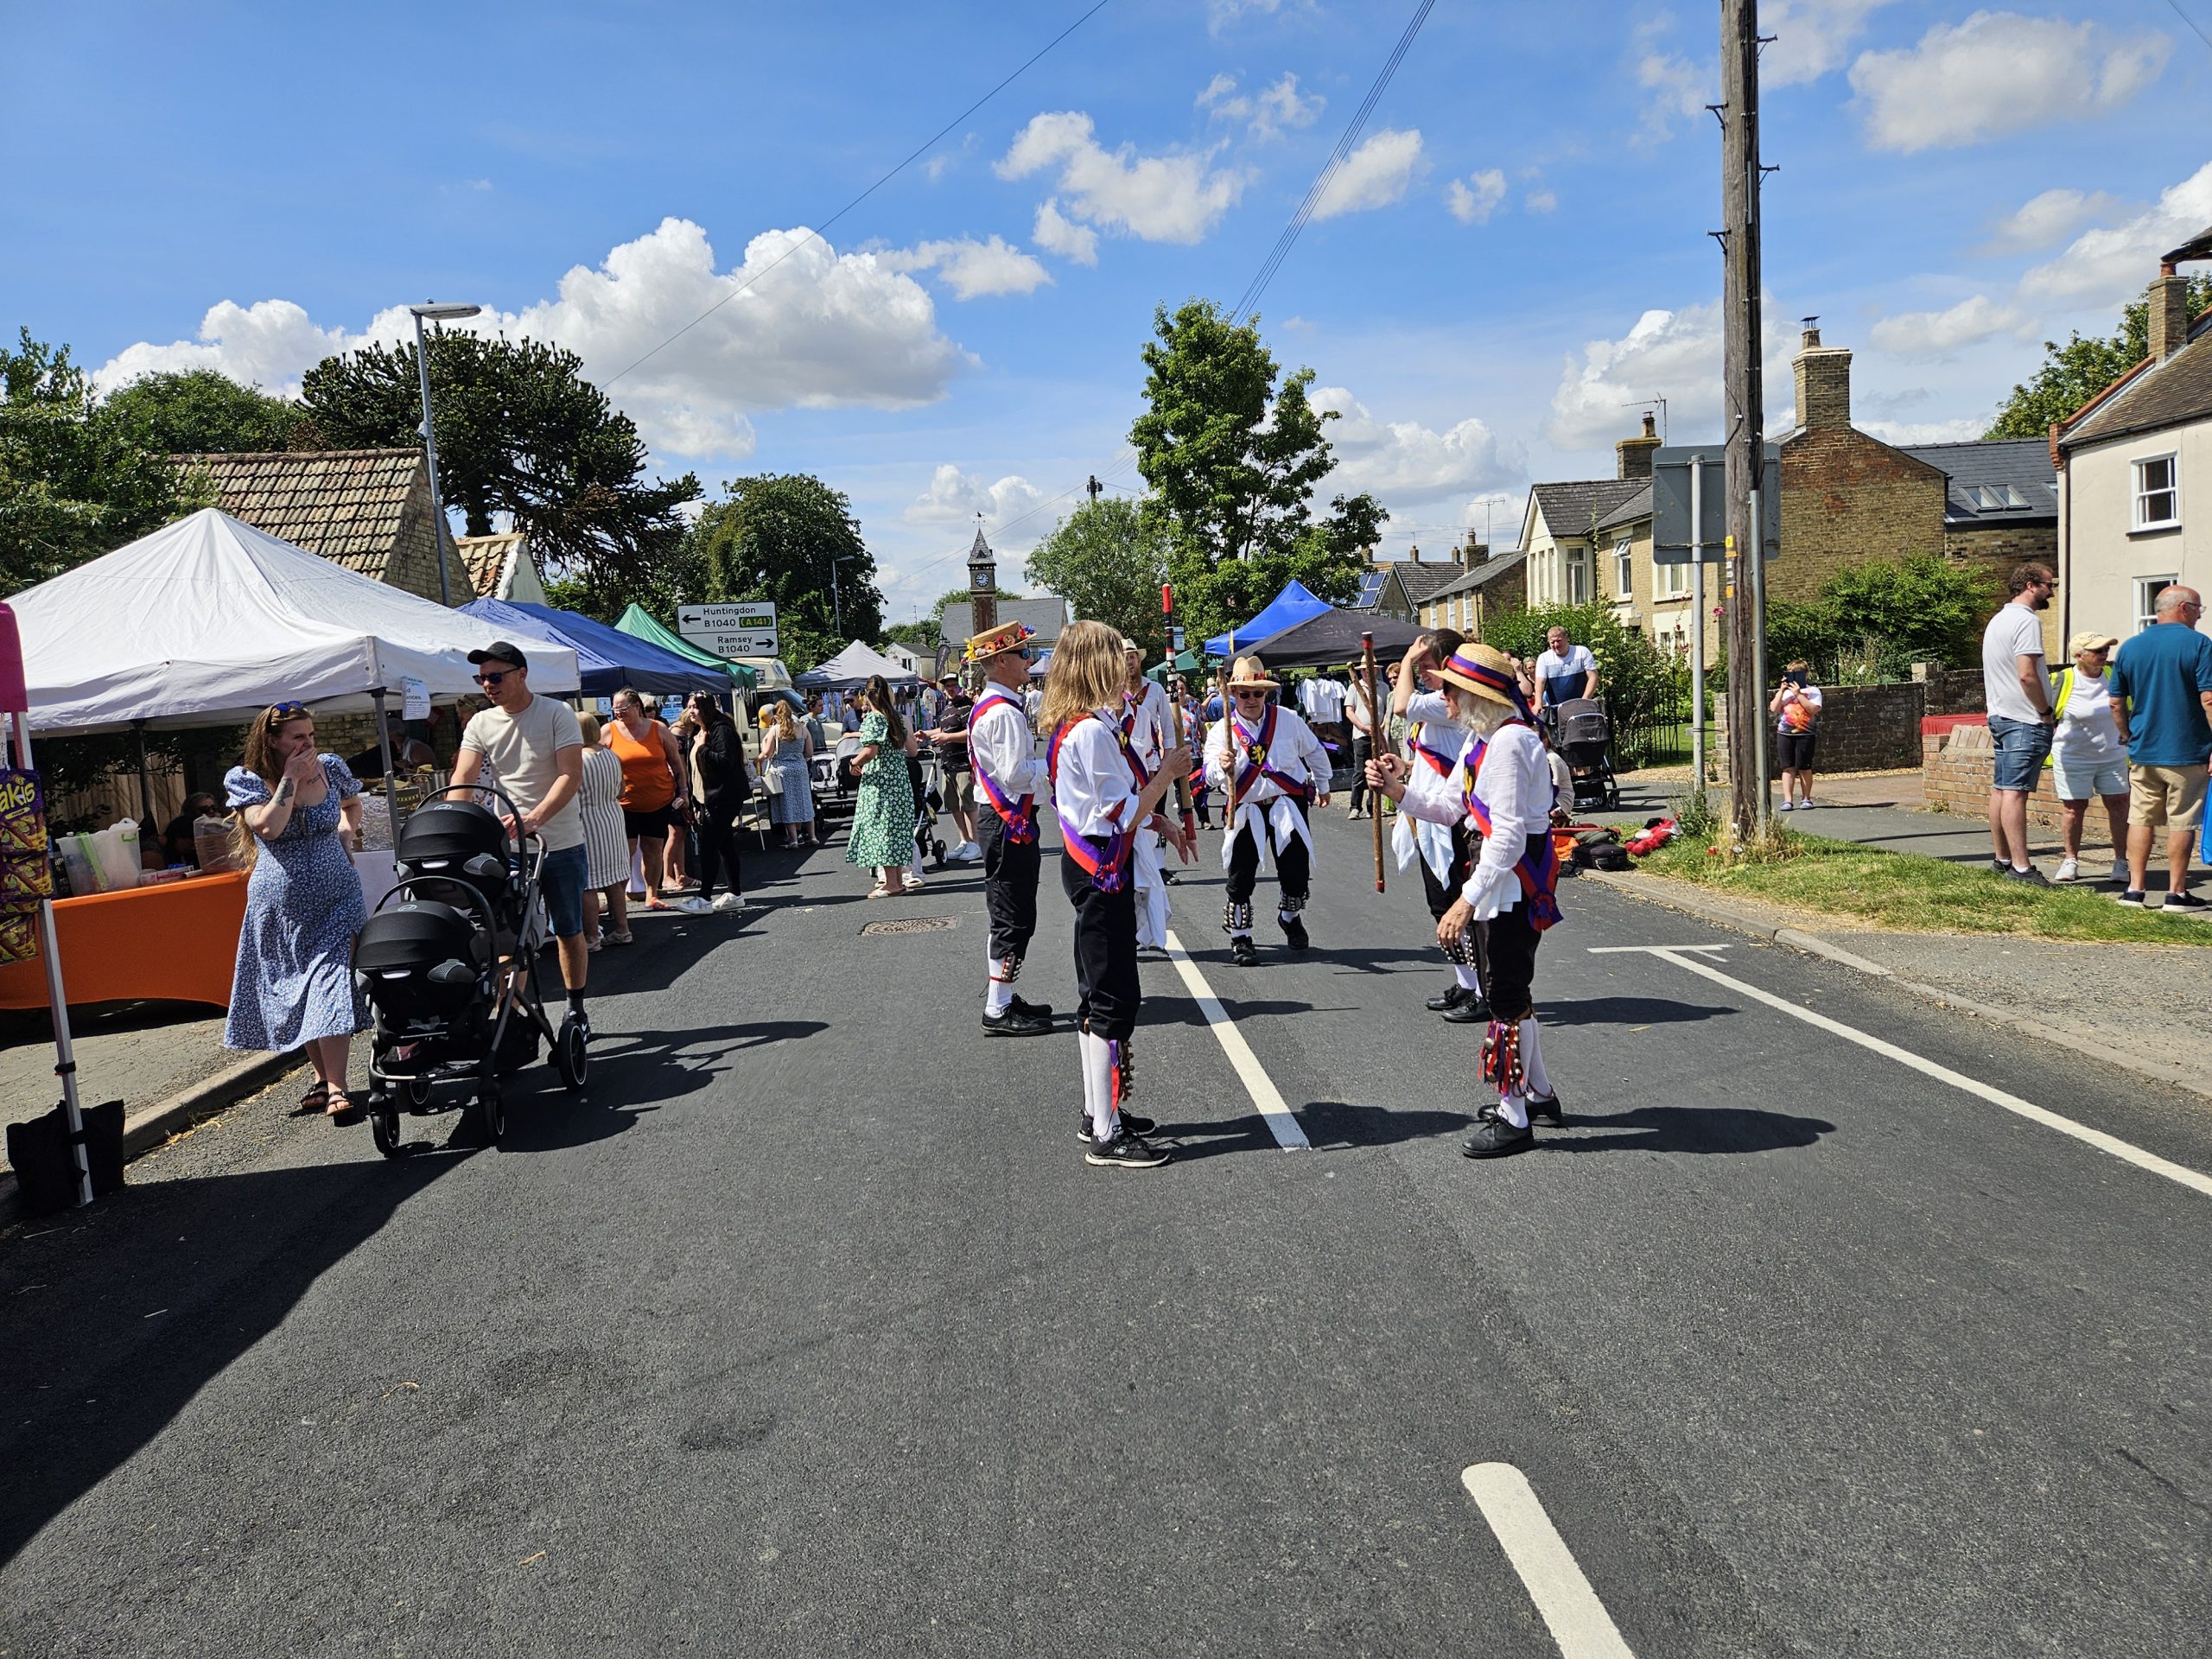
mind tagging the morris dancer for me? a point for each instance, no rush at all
(1279, 771)
(1101, 806)
(1151, 730)
(1502, 789)
(1009, 778)
(1434, 743)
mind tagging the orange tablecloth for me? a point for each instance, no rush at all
(179, 941)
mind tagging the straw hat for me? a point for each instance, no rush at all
(1129, 647)
(1251, 672)
(1484, 670)
(996, 642)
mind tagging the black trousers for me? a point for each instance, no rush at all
(1108, 992)
(1010, 869)
(1363, 750)
(1441, 893)
(1509, 963)
(716, 832)
(1293, 866)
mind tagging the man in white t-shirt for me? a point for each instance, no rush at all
(1564, 672)
(535, 749)
(2016, 691)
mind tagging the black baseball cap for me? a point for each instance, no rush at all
(499, 651)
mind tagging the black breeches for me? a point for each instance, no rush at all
(1294, 868)
(1363, 750)
(1441, 893)
(1010, 869)
(717, 835)
(1508, 965)
(1108, 992)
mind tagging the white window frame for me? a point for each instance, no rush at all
(1670, 581)
(1624, 569)
(1577, 579)
(2142, 494)
(2147, 590)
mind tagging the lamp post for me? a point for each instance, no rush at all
(436, 312)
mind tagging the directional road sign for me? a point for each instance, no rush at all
(744, 630)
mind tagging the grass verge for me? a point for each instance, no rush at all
(1913, 893)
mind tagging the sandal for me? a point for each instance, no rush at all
(624, 937)
(314, 1100)
(345, 1112)
(879, 891)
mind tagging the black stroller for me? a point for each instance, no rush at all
(462, 927)
(1585, 736)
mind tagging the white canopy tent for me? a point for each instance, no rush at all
(208, 621)
(853, 666)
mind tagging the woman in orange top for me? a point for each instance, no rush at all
(651, 765)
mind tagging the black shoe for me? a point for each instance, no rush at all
(1494, 1137)
(1451, 998)
(2184, 904)
(2000, 866)
(1242, 953)
(1132, 1124)
(2031, 876)
(1126, 1151)
(1294, 932)
(1029, 1010)
(1473, 1012)
(1546, 1112)
(1013, 1023)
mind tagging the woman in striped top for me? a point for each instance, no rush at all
(607, 849)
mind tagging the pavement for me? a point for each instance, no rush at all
(806, 1329)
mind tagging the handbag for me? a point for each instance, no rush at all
(772, 779)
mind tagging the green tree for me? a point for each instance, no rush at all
(1233, 459)
(205, 413)
(2073, 373)
(1108, 559)
(921, 635)
(520, 431)
(779, 537)
(75, 481)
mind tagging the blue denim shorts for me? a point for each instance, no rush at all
(2020, 746)
(561, 880)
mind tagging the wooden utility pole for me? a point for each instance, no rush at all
(1745, 409)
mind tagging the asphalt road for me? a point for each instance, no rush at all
(807, 1330)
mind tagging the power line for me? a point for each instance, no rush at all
(815, 233)
(2190, 20)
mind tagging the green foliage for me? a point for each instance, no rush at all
(1641, 683)
(778, 537)
(2073, 373)
(206, 412)
(1108, 559)
(1873, 622)
(921, 635)
(76, 481)
(520, 431)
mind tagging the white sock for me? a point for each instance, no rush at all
(1001, 997)
(1098, 1088)
(1285, 917)
(1532, 1061)
(1090, 1081)
(1468, 978)
(1513, 1110)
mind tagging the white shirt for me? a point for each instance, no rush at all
(1356, 711)
(1295, 752)
(1808, 695)
(1515, 782)
(2015, 632)
(2086, 736)
(1096, 790)
(1432, 711)
(1000, 743)
(1550, 666)
(525, 751)
(1153, 731)
(1323, 700)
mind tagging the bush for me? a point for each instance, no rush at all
(1641, 685)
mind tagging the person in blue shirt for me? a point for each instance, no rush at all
(2162, 693)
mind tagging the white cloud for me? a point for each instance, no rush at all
(1056, 234)
(1962, 430)
(2045, 220)
(818, 330)
(1999, 72)
(972, 269)
(1170, 198)
(1934, 334)
(1220, 14)
(1540, 201)
(1670, 354)
(1406, 461)
(1473, 200)
(1221, 98)
(1280, 106)
(956, 496)
(1676, 91)
(1375, 174)
(1811, 37)
(2103, 267)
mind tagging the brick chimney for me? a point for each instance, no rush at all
(1632, 456)
(1416, 554)
(2169, 312)
(1823, 382)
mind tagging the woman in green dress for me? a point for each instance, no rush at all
(883, 816)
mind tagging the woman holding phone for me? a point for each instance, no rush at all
(1795, 707)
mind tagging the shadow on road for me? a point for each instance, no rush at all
(1627, 1011)
(1686, 1128)
(1331, 1123)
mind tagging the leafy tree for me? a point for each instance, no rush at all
(1108, 559)
(1233, 459)
(779, 537)
(206, 412)
(2073, 373)
(75, 479)
(678, 577)
(1870, 619)
(520, 431)
(921, 635)
(1640, 683)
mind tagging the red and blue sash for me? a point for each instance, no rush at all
(1019, 817)
(1130, 708)
(1105, 860)
(1537, 871)
(1259, 751)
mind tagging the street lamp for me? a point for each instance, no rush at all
(436, 312)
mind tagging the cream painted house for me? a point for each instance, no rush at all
(2135, 471)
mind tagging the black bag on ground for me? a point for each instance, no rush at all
(46, 1175)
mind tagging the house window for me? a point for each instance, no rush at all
(1670, 581)
(1577, 579)
(2147, 590)
(2158, 493)
(1624, 568)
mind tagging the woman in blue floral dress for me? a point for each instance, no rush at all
(882, 838)
(293, 987)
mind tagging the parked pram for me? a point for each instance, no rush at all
(448, 966)
(926, 773)
(1585, 737)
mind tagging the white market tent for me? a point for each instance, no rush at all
(208, 621)
(853, 666)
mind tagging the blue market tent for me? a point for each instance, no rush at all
(608, 657)
(1294, 605)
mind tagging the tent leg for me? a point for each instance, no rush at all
(57, 997)
(145, 781)
(377, 694)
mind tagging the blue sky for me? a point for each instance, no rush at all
(1517, 252)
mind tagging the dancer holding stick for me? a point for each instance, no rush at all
(1274, 770)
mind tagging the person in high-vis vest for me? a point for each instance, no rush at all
(2089, 755)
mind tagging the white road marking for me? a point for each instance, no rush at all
(1282, 1123)
(1995, 1097)
(1572, 1612)
(1645, 949)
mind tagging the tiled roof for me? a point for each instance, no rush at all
(1482, 575)
(1570, 509)
(2153, 395)
(1637, 507)
(485, 558)
(1418, 579)
(342, 503)
(1994, 481)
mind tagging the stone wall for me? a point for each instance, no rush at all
(1869, 727)
(1957, 765)
(1951, 691)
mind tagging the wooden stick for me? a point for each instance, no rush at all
(1228, 745)
(1377, 727)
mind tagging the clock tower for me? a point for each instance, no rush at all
(982, 583)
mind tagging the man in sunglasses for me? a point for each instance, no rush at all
(536, 748)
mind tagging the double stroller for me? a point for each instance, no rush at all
(448, 966)
(1585, 736)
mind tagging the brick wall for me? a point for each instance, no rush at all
(1949, 691)
(2000, 552)
(1869, 727)
(414, 563)
(1846, 499)
(1956, 767)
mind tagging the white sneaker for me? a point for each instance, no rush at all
(965, 851)
(2067, 870)
(729, 901)
(692, 905)
(1787, 806)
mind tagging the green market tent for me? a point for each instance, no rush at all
(1184, 663)
(639, 625)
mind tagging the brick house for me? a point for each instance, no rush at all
(368, 510)
(2000, 510)
(497, 566)
(1491, 584)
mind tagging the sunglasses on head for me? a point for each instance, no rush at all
(281, 712)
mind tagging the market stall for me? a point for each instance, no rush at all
(608, 659)
(851, 668)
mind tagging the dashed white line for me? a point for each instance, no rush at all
(1281, 1122)
(1571, 1610)
(2035, 1114)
